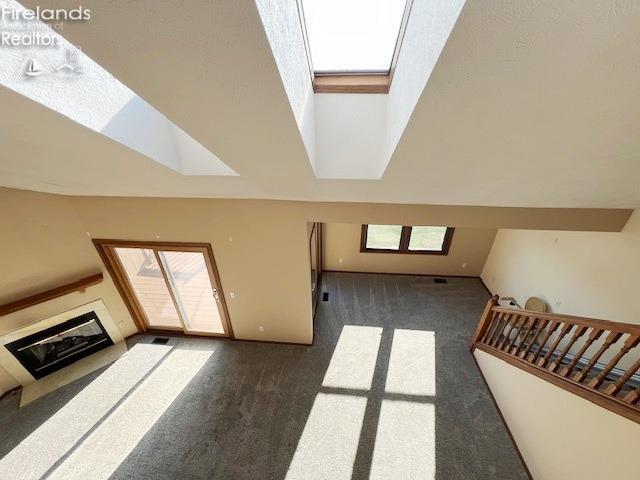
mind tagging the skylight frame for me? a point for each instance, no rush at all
(354, 81)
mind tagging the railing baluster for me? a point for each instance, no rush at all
(537, 328)
(613, 337)
(563, 331)
(552, 326)
(509, 326)
(495, 317)
(502, 324)
(630, 343)
(593, 336)
(524, 333)
(616, 386)
(518, 323)
(579, 331)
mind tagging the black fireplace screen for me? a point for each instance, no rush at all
(56, 347)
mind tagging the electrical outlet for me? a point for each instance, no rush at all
(340, 260)
(261, 328)
(232, 294)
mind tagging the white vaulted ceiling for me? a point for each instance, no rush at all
(529, 104)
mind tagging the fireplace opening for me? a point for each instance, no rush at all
(56, 347)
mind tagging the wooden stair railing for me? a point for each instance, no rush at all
(542, 344)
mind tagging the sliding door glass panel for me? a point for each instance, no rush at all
(148, 284)
(192, 287)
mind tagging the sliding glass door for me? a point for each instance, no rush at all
(171, 286)
(191, 283)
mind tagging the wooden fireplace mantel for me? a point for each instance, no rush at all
(77, 286)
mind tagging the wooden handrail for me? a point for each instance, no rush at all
(585, 321)
(77, 286)
(566, 350)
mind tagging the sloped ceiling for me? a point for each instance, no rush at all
(530, 104)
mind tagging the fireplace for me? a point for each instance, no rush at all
(56, 347)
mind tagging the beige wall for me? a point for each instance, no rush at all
(261, 248)
(581, 273)
(44, 245)
(561, 435)
(467, 254)
(261, 252)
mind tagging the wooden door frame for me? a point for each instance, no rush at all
(317, 229)
(106, 250)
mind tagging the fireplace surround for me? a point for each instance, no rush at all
(56, 347)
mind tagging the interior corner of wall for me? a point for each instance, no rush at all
(307, 128)
(633, 223)
(7, 382)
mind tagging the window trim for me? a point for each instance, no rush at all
(403, 248)
(351, 83)
(354, 81)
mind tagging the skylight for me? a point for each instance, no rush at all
(61, 77)
(352, 36)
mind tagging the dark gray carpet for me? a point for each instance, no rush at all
(242, 415)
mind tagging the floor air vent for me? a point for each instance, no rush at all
(160, 341)
(439, 280)
(325, 296)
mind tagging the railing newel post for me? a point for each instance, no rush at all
(485, 321)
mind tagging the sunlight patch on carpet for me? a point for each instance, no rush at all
(354, 358)
(48, 443)
(329, 442)
(412, 365)
(405, 445)
(100, 454)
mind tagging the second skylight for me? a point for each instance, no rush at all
(352, 36)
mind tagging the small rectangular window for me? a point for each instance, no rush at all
(427, 239)
(384, 237)
(433, 240)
